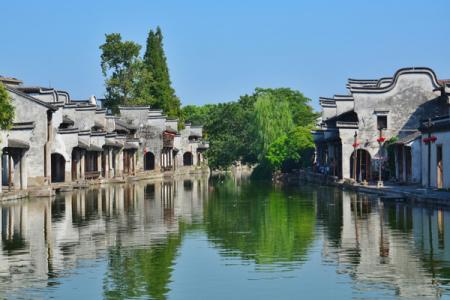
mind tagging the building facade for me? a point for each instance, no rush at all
(378, 124)
(55, 141)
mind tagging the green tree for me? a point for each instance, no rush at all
(196, 115)
(156, 62)
(292, 150)
(127, 82)
(245, 130)
(273, 118)
(299, 105)
(6, 109)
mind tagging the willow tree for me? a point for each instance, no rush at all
(6, 109)
(273, 118)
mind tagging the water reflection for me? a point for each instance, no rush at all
(261, 223)
(42, 240)
(132, 237)
(381, 245)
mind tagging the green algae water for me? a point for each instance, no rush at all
(200, 238)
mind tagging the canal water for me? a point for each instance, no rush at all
(222, 238)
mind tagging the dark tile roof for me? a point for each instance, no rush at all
(408, 138)
(43, 103)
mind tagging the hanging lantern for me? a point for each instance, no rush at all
(381, 139)
(433, 139)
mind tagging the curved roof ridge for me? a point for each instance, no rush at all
(398, 73)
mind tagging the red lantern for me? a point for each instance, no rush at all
(381, 139)
(426, 140)
(433, 139)
(355, 145)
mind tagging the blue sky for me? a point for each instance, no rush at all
(218, 50)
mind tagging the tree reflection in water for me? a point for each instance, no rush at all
(260, 223)
(137, 232)
(141, 272)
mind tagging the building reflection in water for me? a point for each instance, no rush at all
(43, 239)
(398, 246)
(384, 247)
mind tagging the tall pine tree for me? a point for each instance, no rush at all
(156, 63)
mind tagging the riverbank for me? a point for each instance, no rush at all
(410, 193)
(51, 189)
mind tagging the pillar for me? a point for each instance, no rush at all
(23, 171)
(120, 163)
(68, 171)
(17, 180)
(106, 170)
(347, 151)
(133, 163)
(174, 161)
(404, 162)
(99, 163)
(110, 164)
(82, 164)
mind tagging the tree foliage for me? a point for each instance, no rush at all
(6, 109)
(270, 127)
(127, 82)
(132, 80)
(292, 150)
(273, 118)
(156, 63)
(197, 115)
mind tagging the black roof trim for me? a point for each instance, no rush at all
(43, 103)
(379, 90)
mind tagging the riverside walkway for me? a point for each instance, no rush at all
(415, 193)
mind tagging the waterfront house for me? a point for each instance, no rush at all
(355, 129)
(435, 152)
(56, 141)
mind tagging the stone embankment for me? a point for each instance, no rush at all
(395, 192)
(51, 189)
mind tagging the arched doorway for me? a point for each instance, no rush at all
(58, 167)
(149, 161)
(363, 165)
(187, 159)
